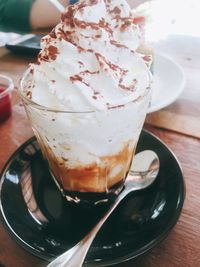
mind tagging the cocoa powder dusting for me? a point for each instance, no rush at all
(52, 52)
(126, 23)
(96, 93)
(67, 17)
(147, 58)
(76, 78)
(29, 94)
(89, 72)
(116, 10)
(95, 26)
(94, 2)
(81, 63)
(130, 88)
(32, 71)
(43, 57)
(113, 107)
(115, 43)
(102, 62)
(52, 34)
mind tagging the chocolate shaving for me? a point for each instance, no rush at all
(96, 93)
(29, 94)
(89, 72)
(95, 26)
(49, 53)
(67, 17)
(113, 107)
(130, 88)
(147, 58)
(116, 10)
(52, 34)
(115, 43)
(102, 61)
(52, 52)
(76, 78)
(81, 63)
(126, 23)
(31, 71)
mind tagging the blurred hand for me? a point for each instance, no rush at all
(44, 14)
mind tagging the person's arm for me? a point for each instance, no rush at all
(44, 14)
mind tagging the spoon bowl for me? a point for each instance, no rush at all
(143, 172)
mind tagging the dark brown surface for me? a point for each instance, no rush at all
(182, 246)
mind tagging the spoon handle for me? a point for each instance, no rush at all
(135, 180)
(76, 255)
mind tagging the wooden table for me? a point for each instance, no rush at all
(178, 125)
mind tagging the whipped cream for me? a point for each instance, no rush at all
(89, 61)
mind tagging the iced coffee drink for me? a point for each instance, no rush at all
(87, 97)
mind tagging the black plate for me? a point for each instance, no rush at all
(42, 222)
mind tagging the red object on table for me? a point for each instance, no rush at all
(5, 105)
(139, 20)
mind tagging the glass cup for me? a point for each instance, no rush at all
(89, 153)
(6, 87)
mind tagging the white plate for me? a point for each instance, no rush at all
(169, 82)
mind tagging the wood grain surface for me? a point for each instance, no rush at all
(177, 125)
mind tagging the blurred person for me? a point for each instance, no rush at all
(30, 15)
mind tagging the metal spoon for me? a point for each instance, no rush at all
(144, 170)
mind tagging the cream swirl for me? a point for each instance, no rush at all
(89, 61)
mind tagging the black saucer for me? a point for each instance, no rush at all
(41, 221)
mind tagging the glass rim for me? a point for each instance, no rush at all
(43, 108)
(10, 85)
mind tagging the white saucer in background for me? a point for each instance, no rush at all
(168, 82)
